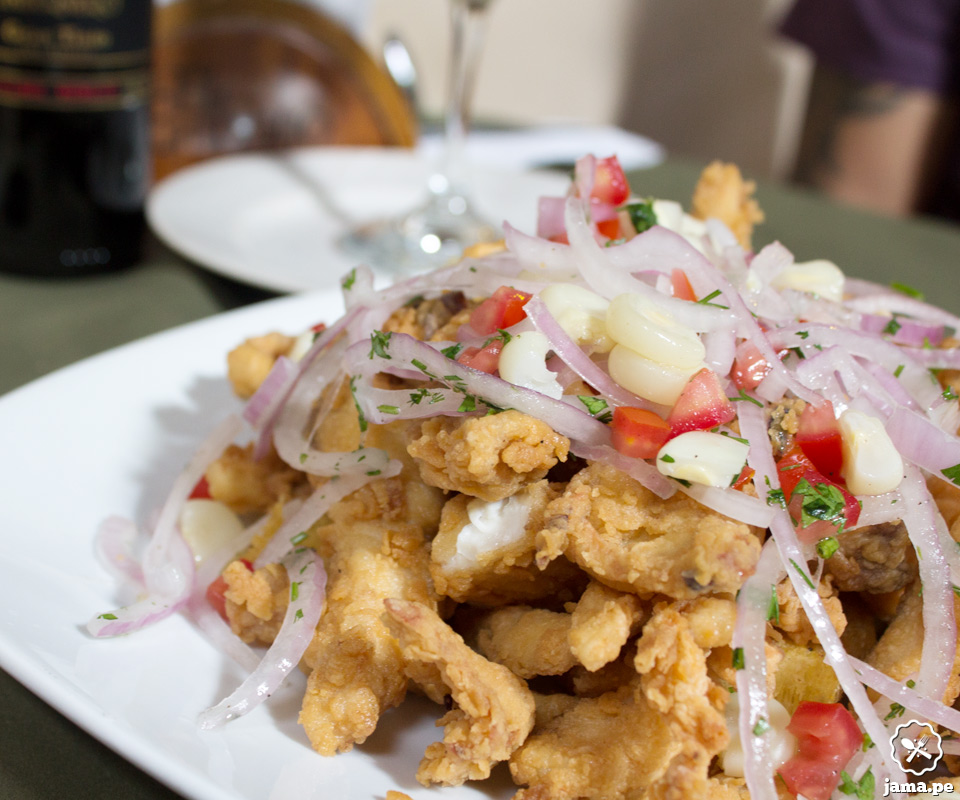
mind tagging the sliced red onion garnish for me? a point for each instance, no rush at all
(893, 302)
(540, 253)
(114, 544)
(308, 581)
(381, 406)
(168, 568)
(920, 441)
(483, 389)
(749, 638)
(584, 174)
(903, 330)
(357, 287)
(638, 469)
(736, 505)
(919, 514)
(550, 217)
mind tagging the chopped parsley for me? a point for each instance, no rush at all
(744, 396)
(379, 341)
(823, 501)
(739, 661)
(294, 591)
(469, 404)
(361, 417)
(350, 279)
(775, 497)
(896, 710)
(761, 727)
(298, 538)
(373, 472)
(642, 215)
(864, 789)
(827, 546)
(450, 352)
(892, 326)
(803, 574)
(952, 474)
(898, 371)
(773, 610)
(909, 291)
(386, 409)
(597, 407)
(666, 458)
(705, 301)
(298, 616)
(108, 616)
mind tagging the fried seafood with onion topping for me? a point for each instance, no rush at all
(623, 535)
(488, 457)
(493, 708)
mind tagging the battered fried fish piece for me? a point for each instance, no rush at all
(626, 537)
(793, 620)
(356, 668)
(722, 193)
(249, 363)
(247, 484)
(488, 457)
(875, 559)
(484, 552)
(494, 709)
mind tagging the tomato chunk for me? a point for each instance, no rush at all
(827, 737)
(486, 358)
(201, 491)
(702, 405)
(501, 310)
(818, 506)
(609, 182)
(749, 366)
(819, 437)
(609, 228)
(638, 432)
(680, 285)
(216, 591)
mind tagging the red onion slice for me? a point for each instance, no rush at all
(114, 545)
(308, 581)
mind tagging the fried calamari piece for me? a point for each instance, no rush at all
(494, 710)
(898, 652)
(256, 601)
(528, 641)
(601, 623)
(628, 538)
(356, 669)
(722, 193)
(249, 363)
(431, 319)
(793, 621)
(485, 551)
(245, 484)
(489, 457)
(613, 747)
(875, 559)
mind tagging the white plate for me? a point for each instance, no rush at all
(274, 220)
(105, 436)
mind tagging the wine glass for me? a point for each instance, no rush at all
(437, 232)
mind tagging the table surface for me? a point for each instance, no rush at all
(47, 324)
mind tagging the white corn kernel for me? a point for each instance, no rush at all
(670, 215)
(635, 322)
(302, 345)
(782, 744)
(819, 277)
(581, 313)
(703, 457)
(871, 463)
(523, 362)
(659, 383)
(207, 526)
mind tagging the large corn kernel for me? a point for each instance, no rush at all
(581, 313)
(523, 362)
(635, 322)
(659, 383)
(871, 463)
(703, 457)
(819, 277)
(207, 526)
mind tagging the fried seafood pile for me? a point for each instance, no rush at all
(566, 618)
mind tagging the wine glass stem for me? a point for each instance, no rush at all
(468, 23)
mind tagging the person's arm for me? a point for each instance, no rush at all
(872, 144)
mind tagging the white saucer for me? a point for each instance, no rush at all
(273, 220)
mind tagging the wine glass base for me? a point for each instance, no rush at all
(425, 239)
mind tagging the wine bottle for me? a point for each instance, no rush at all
(74, 134)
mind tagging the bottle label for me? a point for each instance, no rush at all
(74, 54)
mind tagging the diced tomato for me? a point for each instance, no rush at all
(827, 737)
(637, 432)
(201, 491)
(486, 359)
(560, 238)
(216, 591)
(609, 182)
(819, 437)
(749, 366)
(320, 327)
(795, 466)
(744, 478)
(501, 310)
(680, 284)
(702, 405)
(609, 228)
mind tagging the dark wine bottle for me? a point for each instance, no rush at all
(74, 134)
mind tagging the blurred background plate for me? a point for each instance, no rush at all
(273, 219)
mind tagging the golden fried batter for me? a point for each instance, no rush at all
(488, 457)
(355, 663)
(626, 537)
(528, 641)
(722, 193)
(249, 363)
(494, 709)
(793, 620)
(601, 623)
(256, 601)
(246, 484)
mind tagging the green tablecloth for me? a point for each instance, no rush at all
(46, 324)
